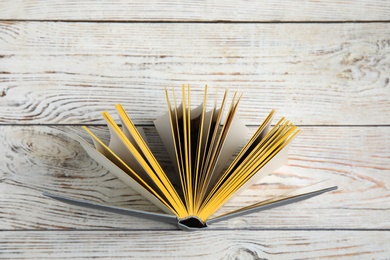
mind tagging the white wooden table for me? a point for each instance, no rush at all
(323, 64)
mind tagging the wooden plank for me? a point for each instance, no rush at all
(240, 244)
(360, 10)
(314, 74)
(41, 158)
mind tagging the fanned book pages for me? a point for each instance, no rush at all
(201, 143)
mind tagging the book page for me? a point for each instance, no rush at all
(234, 138)
(137, 140)
(171, 133)
(211, 149)
(234, 178)
(99, 155)
(260, 133)
(163, 127)
(122, 151)
(279, 160)
(270, 147)
(152, 170)
(218, 143)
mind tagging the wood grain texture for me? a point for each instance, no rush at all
(38, 158)
(228, 10)
(323, 64)
(240, 244)
(315, 74)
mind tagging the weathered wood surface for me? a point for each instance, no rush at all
(240, 244)
(315, 74)
(241, 10)
(41, 158)
(63, 62)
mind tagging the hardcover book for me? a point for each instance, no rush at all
(211, 160)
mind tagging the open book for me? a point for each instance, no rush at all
(201, 143)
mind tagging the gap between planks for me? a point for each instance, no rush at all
(205, 230)
(194, 21)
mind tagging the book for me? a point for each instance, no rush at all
(211, 160)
